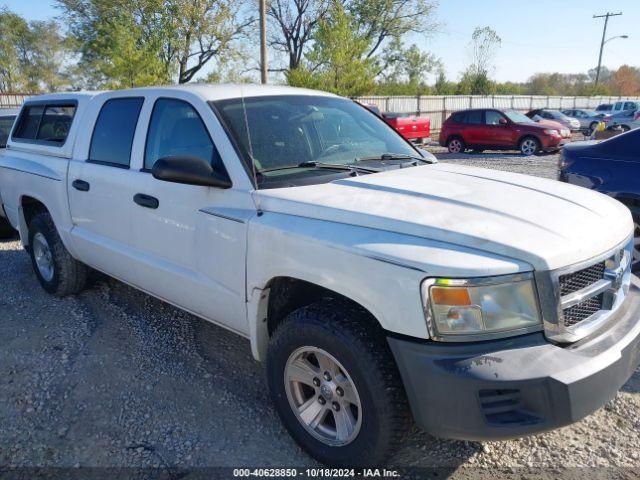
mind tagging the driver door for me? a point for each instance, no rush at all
(191, 253)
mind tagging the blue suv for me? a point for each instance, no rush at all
(612, 167)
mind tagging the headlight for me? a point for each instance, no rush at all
(555, 133)
(482, 308)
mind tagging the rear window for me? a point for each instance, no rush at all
(5, 128)
(45, 123)
(113, 134)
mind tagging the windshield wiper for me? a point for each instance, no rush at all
(329, 166)
(394, 156)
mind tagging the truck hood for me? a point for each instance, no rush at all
(545, 223)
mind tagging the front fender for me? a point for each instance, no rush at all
(380, 270)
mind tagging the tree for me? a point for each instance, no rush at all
(484, 45)
(337, 62)
(294, 24)
(140, 42)
(444, 86)
(625, 81)
(32, 55)
(382, 24)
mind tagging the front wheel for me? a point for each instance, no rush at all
(529, 146)
(335, 385)
(635, 260)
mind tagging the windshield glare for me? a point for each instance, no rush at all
(285, 131)
(517, 117)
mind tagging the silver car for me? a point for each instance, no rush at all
(7, 117)
(588, 119)
(557, 116)
(628, 120)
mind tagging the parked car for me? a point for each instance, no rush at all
(7, 117)
(376, 285)
(604, 107)
(414, 129)
(612, 167)
(628, 120)
(625, 105)
(482, 129)
(555, 115)
(588, 119)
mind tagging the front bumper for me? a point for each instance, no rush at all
(519, 386)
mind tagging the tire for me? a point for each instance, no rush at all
(455, 145)
(58, 272)
(339, 334)
(529, 146)
(625, 128)
(6, 230)
(592, 127)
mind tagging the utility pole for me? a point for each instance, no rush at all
(604, 34)
(263, 42)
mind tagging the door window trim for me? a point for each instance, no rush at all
(95, 125)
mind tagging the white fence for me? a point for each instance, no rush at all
(438, 108)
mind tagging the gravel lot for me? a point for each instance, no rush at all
(115, 378)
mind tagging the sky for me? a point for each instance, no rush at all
(537, 35)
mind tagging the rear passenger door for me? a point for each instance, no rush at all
(474, 129)
(99, 186)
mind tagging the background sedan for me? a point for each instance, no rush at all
(588, 119)
(555, 115)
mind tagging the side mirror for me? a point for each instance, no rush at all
(189, 171)
(502, 121)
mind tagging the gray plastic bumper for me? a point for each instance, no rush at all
(509, 388)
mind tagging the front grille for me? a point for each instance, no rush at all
(572, 282)
(582, 310)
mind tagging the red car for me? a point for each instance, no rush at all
(484, 129)
(415, 129)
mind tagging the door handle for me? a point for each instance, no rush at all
(81, 185)
(146, 201)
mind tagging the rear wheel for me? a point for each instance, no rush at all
(6, 230)
(455, 145)
(529, 146)
(58, 272)
(335, 385)
(625, 128)
(593, 127)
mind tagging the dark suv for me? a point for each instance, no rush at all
(494, 129)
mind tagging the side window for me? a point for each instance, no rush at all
(5, 128)
(474, 117)
(629, 106)
(45, 123)
(175, 130)
(492, 117)
(55, 123)
(113, 134)
(618, 106)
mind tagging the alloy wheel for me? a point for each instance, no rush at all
(529, 146)
(322, 396)
(43, 256)
(455, 146)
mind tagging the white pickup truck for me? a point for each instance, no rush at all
(378, 285)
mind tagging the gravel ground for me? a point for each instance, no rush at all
(115, 378)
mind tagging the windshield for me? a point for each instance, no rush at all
(279, 133)
(517, 117)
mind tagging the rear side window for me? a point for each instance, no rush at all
(458, 117)
(5, 128)
(474, 117)
(113, 134)
(45, 123)
(177, 130)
